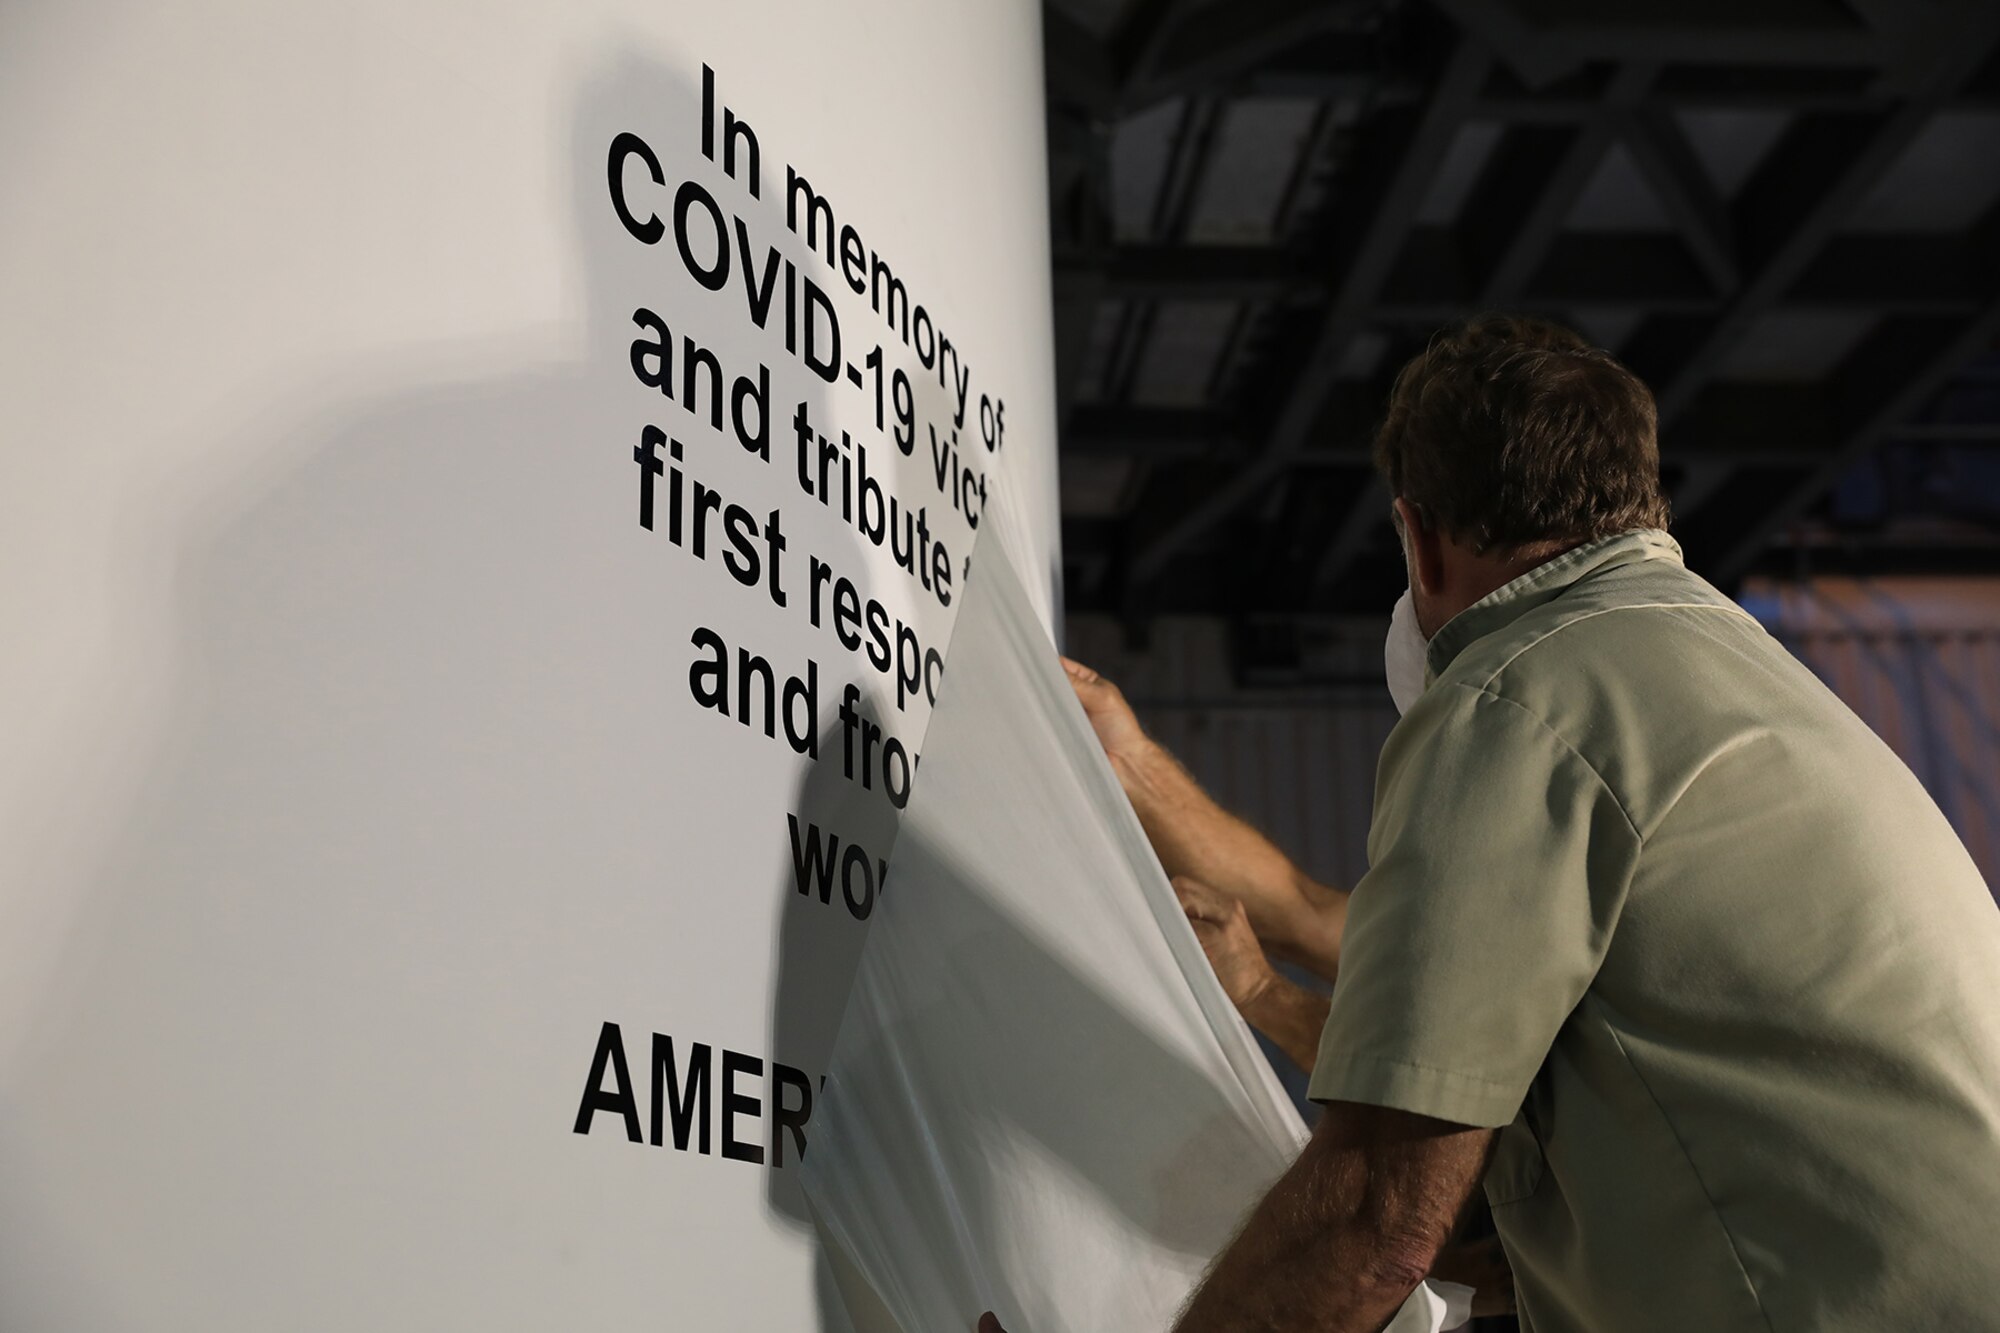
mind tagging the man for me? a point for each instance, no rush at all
(1657, 939)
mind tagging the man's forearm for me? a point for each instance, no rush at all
(1342, 1278)
(1292, 1017)
(1346, 1234)
(1296, 917)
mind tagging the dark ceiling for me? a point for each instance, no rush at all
(1784, 214)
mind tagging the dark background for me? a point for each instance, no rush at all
(1781, 213)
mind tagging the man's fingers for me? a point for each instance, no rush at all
(1090, 687)
(1194, 898)
(989, 1324)
(1203, 903)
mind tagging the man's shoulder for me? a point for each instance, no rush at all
(1602, 625)
(1644, 674)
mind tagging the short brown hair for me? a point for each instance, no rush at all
(1509, 431)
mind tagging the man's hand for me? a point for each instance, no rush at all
(1223, 927)
(1125, 742)
(1294, 917)
(1281, 1009)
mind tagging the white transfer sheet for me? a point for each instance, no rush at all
(1040, 1101)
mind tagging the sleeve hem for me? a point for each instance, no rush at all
(1464, 1099)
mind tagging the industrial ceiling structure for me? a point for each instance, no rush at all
(1784, 214)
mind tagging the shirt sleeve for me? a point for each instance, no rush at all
(1499, 862)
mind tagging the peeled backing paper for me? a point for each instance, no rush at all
(1040, 1101)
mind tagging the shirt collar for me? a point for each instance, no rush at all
(1512, 600)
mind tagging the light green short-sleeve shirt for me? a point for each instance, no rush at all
(1644, 892)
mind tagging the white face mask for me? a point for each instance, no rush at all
(1403, 654)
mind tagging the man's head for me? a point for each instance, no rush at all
(1509, 440)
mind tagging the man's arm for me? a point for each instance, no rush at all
(1297, 918)
(1345, 1235)
(1293, 1017)
(1287, 1013)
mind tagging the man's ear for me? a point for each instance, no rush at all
(1426, 549)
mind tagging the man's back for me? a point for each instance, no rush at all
(1757, 974)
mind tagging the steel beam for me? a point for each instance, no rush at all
(1730, 424)
(1789, 211)
(1710, 32)
(1406, 161)
(1657, 271)
(1140, 40)
(1514, 218)
(1210, 45)
(1664, 156)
